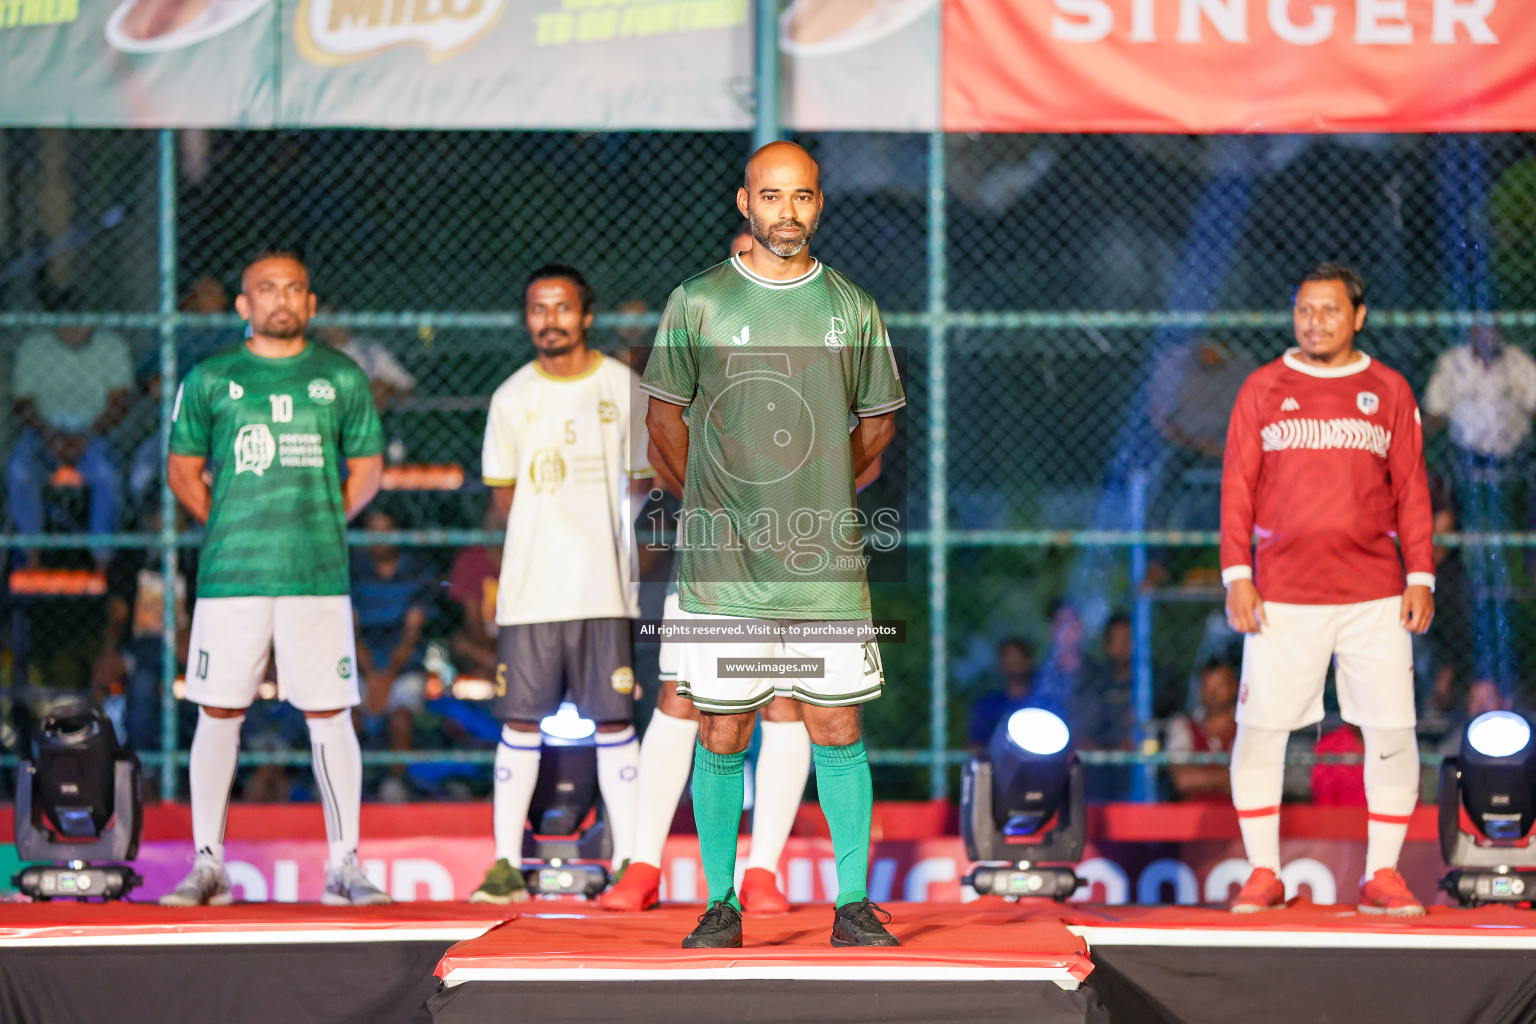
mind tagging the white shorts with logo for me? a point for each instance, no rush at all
(232, 637)
(1285, 665)
(852, 673)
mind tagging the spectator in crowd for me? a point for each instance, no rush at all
(1099, 710)
(1340, 785)
(193, 345)
(1210, 730)
(1015, 671)
(71, 387)
(133, 641)
(1194, 386)
(1058, 678)
(388, 380)
(472, 584)
(391, 596)
(1486, 390)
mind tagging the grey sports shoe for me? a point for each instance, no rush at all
(348, 886)
(206, 885)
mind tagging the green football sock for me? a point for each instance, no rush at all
(848, 800)
(718, 792)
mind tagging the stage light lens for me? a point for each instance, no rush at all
(1499, 734)
(1038, 731)
(567, 724)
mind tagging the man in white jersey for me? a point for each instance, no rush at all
(568, 466)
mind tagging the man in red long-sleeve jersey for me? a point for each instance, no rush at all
(1325, 466)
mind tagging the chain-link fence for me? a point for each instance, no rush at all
(1076, 311)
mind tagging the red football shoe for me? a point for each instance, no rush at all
(760, 893)
(639, 889)
(1262, 891)
(1386, 892)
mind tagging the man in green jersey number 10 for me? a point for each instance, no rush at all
(268, 421)
(769, 354)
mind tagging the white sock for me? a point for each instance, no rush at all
(210, 774)
(517, 770)
(666, 761)
(1258, 776)
(1391, 793)
(338, 765)
(618, 779)
(783, 764)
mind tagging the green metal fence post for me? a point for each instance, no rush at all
(168, 385)
(938, 483)
(766, 128)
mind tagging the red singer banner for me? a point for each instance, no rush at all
(1202, 66)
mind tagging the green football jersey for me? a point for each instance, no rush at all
(274, 432)
(769, 372)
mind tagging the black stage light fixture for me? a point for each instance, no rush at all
(1022, 812)
(560, 857)
(77, 804)
(1487, 809)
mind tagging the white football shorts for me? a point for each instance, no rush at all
(312, 637)
(851, 671)
(1285, 666)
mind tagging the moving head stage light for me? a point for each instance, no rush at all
(1022, 812)
(77, 804)
(560, 856)
(1487, 809)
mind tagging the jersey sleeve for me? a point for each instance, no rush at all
(498, 454)
(1239, 484)
(672, 373)
(191, 421)
(878, 387)
(1410, 484)
(362, 435)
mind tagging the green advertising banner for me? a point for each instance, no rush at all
(557, 64)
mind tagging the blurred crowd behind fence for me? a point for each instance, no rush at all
(1076, 314)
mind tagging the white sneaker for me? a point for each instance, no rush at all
(207, 885)
(348, 886)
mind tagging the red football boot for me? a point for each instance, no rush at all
(639, 889)
(760, 893)
(1262, 891)
(1386, 892)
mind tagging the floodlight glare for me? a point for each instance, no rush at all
(1498, 734)
(1038, 731)
(567, 724)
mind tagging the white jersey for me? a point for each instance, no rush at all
(570, 445)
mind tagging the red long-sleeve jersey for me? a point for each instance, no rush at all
(1326, 466)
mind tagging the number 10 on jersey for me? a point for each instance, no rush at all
(282, 408)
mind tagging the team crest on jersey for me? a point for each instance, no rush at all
(1367, 402)
(344, 668)
(254, 449)
(236, 392)
(547, 470)
(833, 339)
(608, 412)
(321, 392)
(742, 338)
(1290, 405)
(623, 680)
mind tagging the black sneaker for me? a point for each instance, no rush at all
(861, 924)
(719, 927)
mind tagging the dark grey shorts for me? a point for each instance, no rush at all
(539, 663)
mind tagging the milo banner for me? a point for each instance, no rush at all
(583, 64)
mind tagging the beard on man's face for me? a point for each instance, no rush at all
(555, 342)
(284, 325)
(784, 248)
